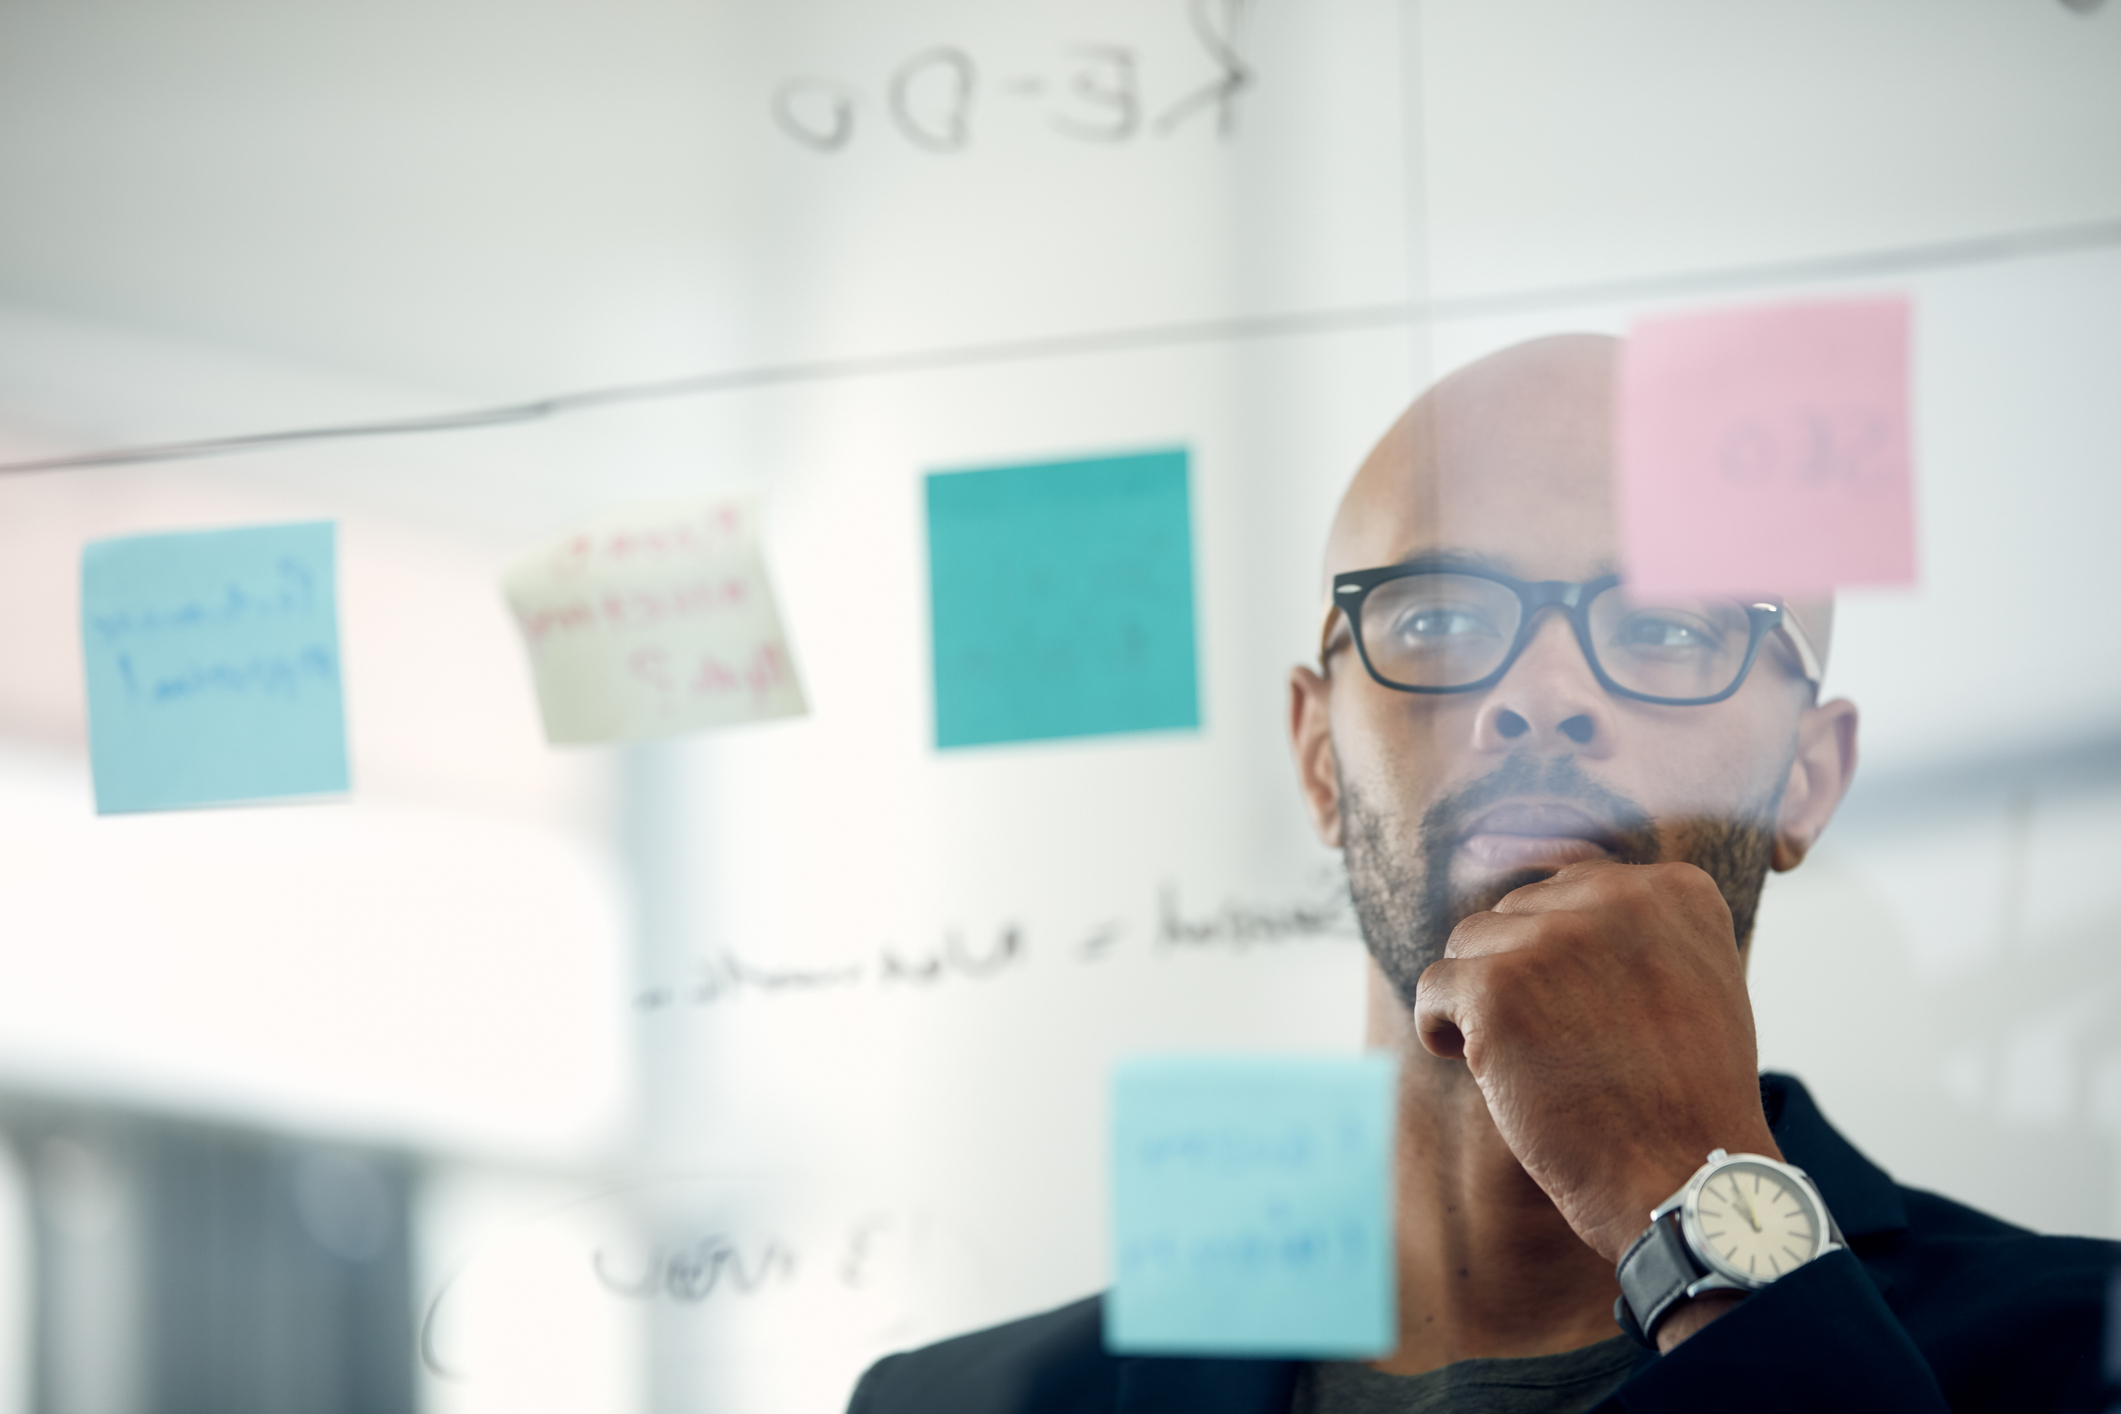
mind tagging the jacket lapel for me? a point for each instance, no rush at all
(1862, 1197)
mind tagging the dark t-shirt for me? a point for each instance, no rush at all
(1569, 1383)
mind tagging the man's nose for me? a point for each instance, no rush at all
(1549, 698)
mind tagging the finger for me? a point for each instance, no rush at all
(1439, 999)
(1485, 934)
(1567, 887)
(1599, 888)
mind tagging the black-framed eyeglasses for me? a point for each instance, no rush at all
(1426, 629)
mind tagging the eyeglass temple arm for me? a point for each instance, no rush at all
(1792, 629)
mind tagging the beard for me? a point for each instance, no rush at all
(1404, 898)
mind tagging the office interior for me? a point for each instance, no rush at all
(700, 1072)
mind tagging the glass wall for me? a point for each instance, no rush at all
(700, 1070)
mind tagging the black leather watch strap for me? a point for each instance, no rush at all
(1654, 1274)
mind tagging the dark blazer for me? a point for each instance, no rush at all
(1935, 1307)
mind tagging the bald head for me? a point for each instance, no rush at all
(1595, 733)
(1510, 457)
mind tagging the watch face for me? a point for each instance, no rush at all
(1756, 1222)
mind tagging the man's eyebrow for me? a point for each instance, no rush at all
(1451, 557)
(1448, 558)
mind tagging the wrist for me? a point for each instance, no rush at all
(1691, 1315)
(1650, 1184)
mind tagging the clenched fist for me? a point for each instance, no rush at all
(1603, 1013)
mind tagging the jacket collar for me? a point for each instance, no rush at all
(1862, 1198)
(1860, 1195)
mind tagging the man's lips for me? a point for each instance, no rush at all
(1526, 834)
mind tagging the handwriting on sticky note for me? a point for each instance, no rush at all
(1251, 1206)
(653, 621)
(1766, 450)
(212, 661)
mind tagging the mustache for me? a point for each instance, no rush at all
(1446, 823)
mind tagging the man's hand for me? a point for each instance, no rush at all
(1603, 1013)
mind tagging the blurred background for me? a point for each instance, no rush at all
(698, 1074)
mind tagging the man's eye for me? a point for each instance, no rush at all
(1646, 632)
(1442, 623)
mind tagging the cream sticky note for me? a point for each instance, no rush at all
(1766, 450)
(653, 620)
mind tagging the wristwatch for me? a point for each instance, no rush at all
(1739, 1223)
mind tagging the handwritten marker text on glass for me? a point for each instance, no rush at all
(651, 621)
(1766, 450)
(212, 660)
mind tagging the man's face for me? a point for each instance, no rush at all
(1447, 802)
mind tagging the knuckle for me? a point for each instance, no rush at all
(1476, 934)
(1502, 971)
(1525, 897)
(1645, 885)
(1565, 932)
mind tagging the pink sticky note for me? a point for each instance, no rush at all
(1766, 450)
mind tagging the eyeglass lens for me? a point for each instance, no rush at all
(1452, 630)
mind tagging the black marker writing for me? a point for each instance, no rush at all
(691, 1274)
(931, 98)
(954, 959)
(1104, 84)
(817, 113)
(1222, 92)
(1101, 941)
(854, 1266)
(1238, 926)
(1233, 927)
(1097, 96)
(725, 976)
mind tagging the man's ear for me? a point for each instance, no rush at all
(1819, 777)
(1311, 740)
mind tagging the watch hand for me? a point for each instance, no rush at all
(1750, 1215)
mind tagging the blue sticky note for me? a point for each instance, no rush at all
(1252, 1206)
(213, 666)
(1063, 599)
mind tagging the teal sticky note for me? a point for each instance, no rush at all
(1062, 595)
(1252, 1206)
(213, 666)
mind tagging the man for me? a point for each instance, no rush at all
(1558, 805)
